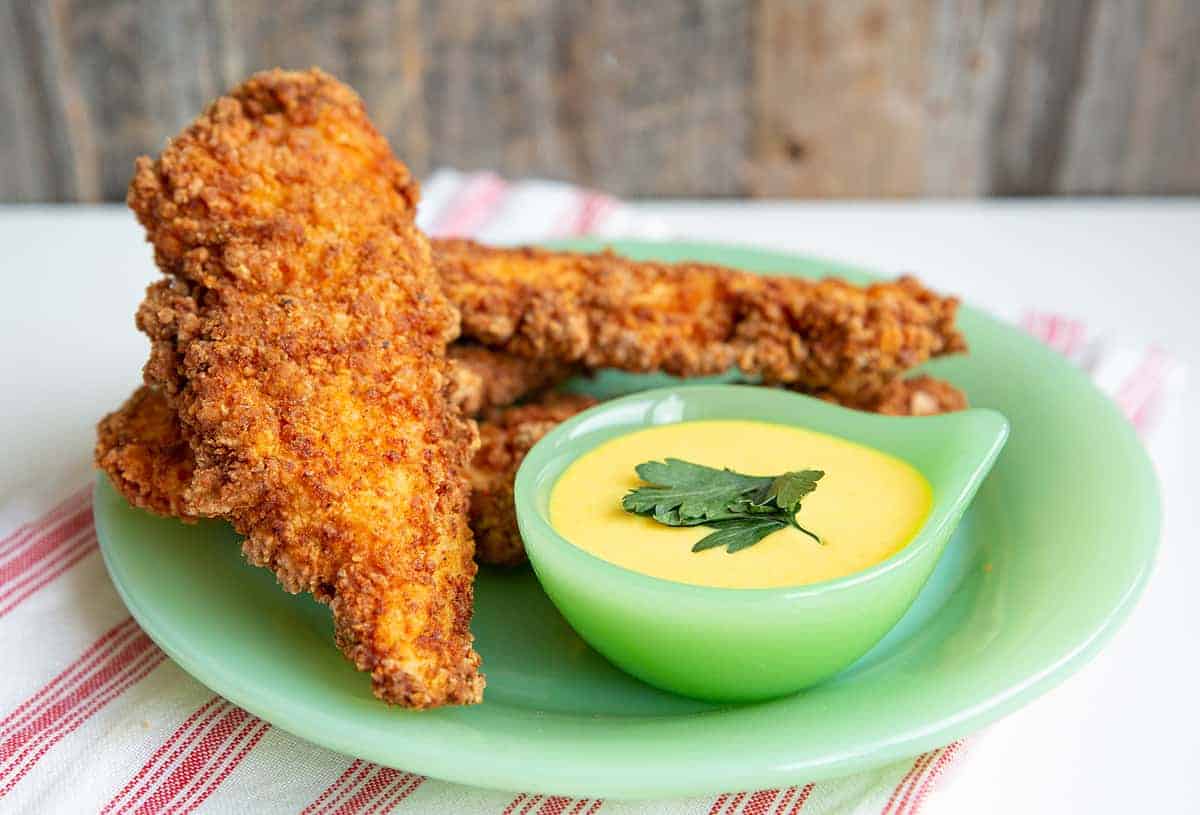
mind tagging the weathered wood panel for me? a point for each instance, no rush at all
(839, 98)
(1064, 96)
(674, 97)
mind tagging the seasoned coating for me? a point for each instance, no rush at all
(690, 319)
(506, 435)
(485, 379)
(920, 395)
(142, 449)
(300, 340)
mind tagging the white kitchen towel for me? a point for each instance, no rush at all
(95, 718)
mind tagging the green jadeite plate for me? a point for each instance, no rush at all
(1046, 564)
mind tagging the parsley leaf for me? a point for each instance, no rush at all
(739, 533)
(685, 491)
(743, 509)
(788, 489)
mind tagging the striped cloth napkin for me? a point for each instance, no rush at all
(95, 718)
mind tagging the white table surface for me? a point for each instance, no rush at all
(1123, 734)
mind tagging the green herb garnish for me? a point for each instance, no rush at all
(743, 509)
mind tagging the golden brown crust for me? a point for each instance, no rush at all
(506, 435)
(485, 379)
(919, 396)
(143, 451)
(692, 319)
(301, 343)
(142, 448)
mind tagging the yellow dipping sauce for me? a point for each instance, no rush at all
(865, 509)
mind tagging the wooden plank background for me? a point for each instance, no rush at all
(672, 97)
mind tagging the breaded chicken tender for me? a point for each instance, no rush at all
(506, 436)
(299, 338)
(690, 319)
(920, 395)
(142, 448)
(486, 379)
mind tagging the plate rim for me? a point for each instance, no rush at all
(946, 728)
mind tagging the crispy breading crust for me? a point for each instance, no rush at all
(143, 451)
(486, 379)
(920, 395)
(506, 435)
(301, 340)
(142, 448)
(691, 319)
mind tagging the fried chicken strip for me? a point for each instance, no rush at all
(690, 319)
(299, 339)
(142, 449)
(920, 395)
(485, 379)
(506, 436)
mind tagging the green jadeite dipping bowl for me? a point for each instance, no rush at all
(739, 645)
